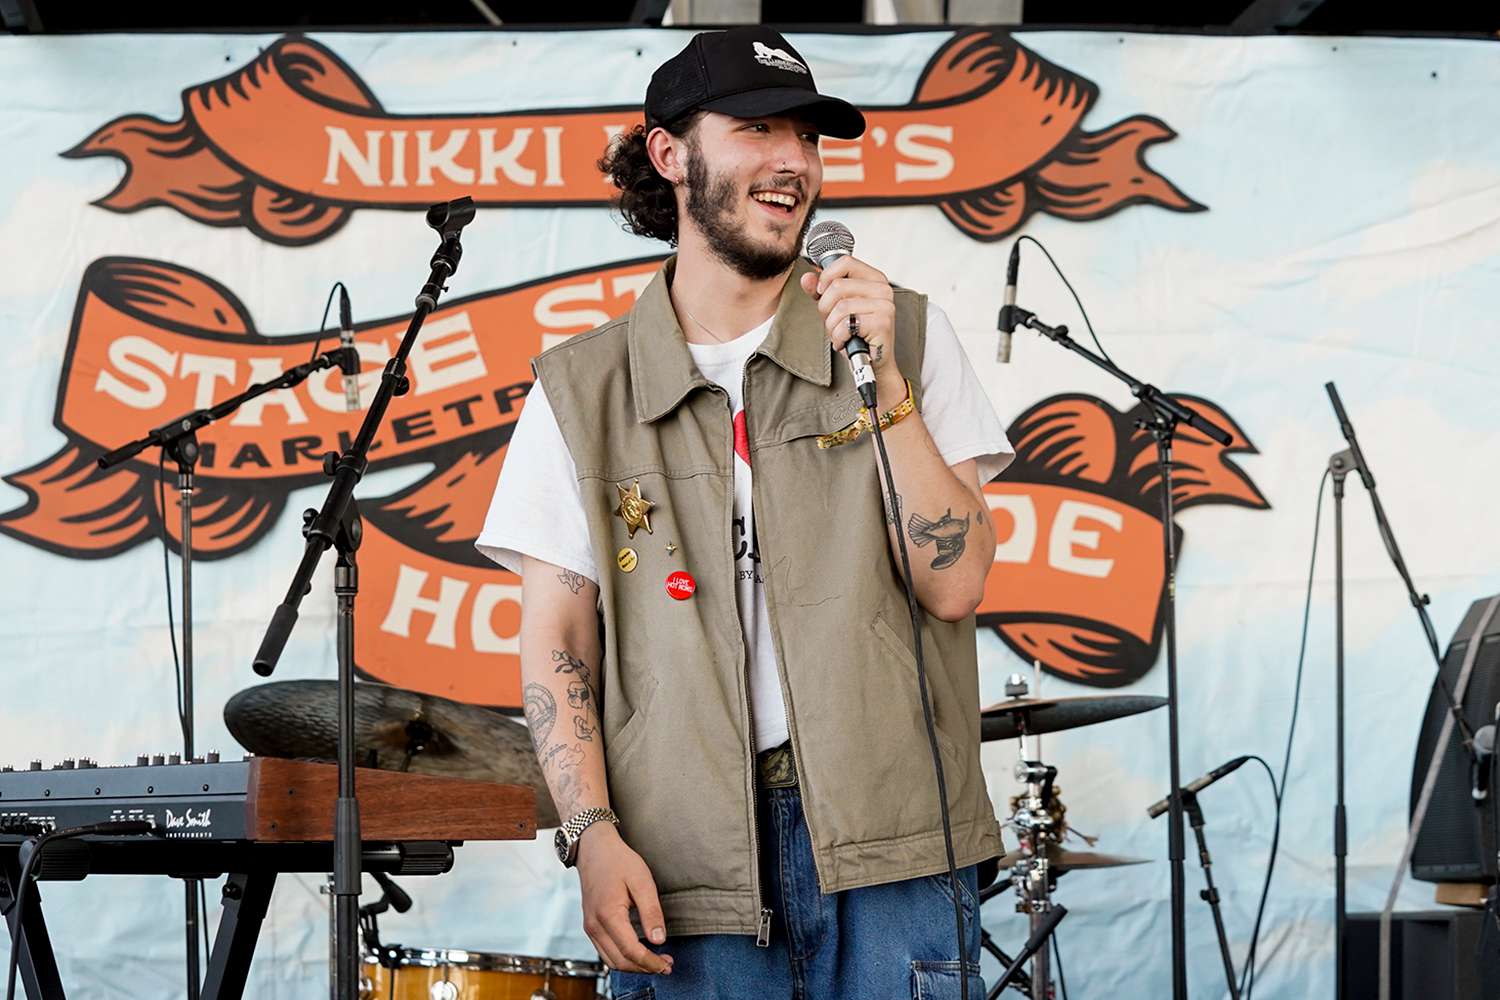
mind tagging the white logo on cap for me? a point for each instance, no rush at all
(777, 58)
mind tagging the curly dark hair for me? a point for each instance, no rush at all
(647, 201)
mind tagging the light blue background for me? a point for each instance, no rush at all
(1353, 189)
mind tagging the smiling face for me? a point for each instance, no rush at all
(751, 188)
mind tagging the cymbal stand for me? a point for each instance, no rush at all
(1032, 877)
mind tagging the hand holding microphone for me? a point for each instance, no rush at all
(859, 312)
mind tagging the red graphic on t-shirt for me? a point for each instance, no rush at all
(741, 438)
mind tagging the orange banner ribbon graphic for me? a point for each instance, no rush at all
(1079, 571)
(1077, 578)
(291, 144)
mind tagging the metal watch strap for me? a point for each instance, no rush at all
(581, 821)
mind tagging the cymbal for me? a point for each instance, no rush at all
(1003, 720)
(1059, 860)
(394, 730)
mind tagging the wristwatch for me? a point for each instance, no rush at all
(566, 838)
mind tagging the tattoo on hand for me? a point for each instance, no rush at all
(582, 729)
(877, 352)
(541, 713)
(573, 581)
(947, 531)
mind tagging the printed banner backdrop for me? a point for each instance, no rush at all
(1244, 219)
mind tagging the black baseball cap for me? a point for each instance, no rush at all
(745, 72)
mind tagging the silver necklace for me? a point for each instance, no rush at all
(717, 339)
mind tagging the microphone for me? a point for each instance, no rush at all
(826, 243)
(349, 360)
(1194, 787)
(1484, 753)
(1008, 310)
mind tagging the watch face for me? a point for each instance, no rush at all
(560, 842)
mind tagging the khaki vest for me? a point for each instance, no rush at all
(676, 709)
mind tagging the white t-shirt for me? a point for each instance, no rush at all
(537, 509)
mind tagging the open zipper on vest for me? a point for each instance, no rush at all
(763, 924)
(763, 938)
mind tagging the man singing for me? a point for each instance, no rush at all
(716, 652)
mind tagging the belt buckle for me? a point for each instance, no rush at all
(778, 768)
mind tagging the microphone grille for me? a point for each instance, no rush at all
(829, 237)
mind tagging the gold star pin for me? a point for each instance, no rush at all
(671, 548)
(634, 509)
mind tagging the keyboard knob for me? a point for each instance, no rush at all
(141, 760)
(157, 760)
(174, 758)
(213, 757)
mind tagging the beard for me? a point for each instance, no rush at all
(711, 204)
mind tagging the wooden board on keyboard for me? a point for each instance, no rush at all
(292, 800)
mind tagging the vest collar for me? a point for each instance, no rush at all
(662, 371)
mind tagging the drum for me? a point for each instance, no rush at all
(444, 974)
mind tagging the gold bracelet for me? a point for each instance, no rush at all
(861, 423)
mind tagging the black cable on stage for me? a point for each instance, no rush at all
(1069, 286)
(323, 323)
(166, 569)
(937, 761)
(18, 905)
(1247, 976)
(166, 553)
(208, 947)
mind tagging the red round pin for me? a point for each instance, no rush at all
(681, 585)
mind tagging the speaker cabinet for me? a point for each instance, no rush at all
(1456, 840)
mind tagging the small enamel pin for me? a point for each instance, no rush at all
(671, 548)
(681, 585)
(627, 560)
(634, 509)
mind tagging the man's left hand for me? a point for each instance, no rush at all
(850, 287)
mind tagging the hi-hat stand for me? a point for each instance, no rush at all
(338, 526)
(1166, 414)
(178, 440)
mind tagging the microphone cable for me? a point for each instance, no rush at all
(1069, 286)
(1247, 976)
(18, 902)
(932, 744)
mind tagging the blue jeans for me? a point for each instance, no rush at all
(882, 942)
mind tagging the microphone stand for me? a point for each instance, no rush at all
(1210, 895)
(1340, 464)
(338, 526)
(178, 439)
(1166, 414)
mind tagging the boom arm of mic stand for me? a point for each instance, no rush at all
(1153, 397)
(188, 423)
(1418, 600)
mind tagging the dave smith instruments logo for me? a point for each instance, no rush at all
(1079, 571)
(292, 144)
